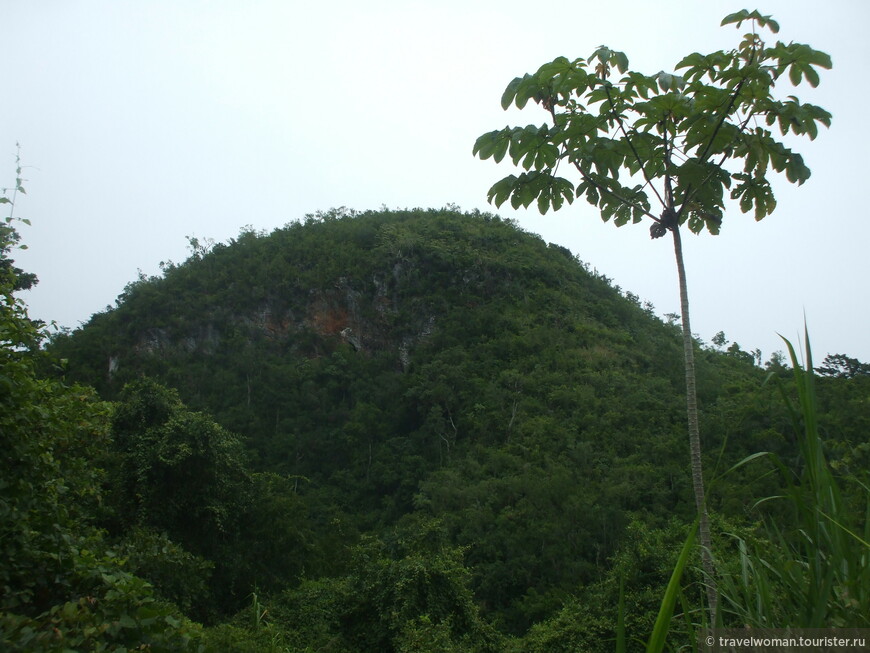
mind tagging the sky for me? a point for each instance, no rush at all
(144, 122)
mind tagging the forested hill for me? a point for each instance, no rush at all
(387, 284)
(328, 344)
(417, 382)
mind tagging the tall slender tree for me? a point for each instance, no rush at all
(680, 141)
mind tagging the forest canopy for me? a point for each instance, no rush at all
(423, 414)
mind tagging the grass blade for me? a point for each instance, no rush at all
(663, 622)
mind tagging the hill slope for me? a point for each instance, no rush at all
(405, 365)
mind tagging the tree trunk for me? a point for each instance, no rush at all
(694, 431)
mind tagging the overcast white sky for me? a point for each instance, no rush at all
(142, 122)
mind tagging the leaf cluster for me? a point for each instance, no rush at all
(643, 145)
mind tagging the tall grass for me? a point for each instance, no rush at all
(659, 634)
(812, 570)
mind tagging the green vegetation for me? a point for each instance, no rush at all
(414, 431)
(816, 572)
(422, 430)
(62, 586)
(681, 140)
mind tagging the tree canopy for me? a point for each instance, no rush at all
(665, 146)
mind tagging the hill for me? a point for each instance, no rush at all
(434, 363)
(421, 426)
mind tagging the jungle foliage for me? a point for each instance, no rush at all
(63, 586)
(415, 431)
(427, 430)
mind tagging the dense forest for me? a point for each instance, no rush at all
(399, 431)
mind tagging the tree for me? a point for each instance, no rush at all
(842, 366)
(180, 472)
(61, 587)
(682, 140)
(406, 592)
